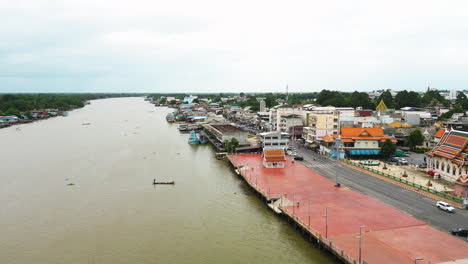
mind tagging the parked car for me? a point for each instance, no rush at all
(460, 232)
(445, 206)
(403, 161)
(298, 158)
(393, 160)
(406, 154)
(423, 166)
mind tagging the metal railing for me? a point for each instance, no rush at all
(409, 183)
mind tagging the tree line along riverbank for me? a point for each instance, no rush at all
(23, 108)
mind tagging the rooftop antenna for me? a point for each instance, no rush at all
(287, 95)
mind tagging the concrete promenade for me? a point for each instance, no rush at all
(338, 214)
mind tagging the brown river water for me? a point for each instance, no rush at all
(113, 214)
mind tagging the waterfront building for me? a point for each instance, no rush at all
(274, 158)
(223, 132)
(11, 119)
(274, 140)
(357, 141)
(449, 157)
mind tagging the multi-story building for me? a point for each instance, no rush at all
(277, 112)
(288, 121)
(274, 140)
(321, 121)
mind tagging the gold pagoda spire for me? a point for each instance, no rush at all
(381, 106)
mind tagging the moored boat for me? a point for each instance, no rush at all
(183, 127)
(193, 139)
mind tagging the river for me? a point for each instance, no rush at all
(113, 214)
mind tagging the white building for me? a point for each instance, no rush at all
(289, 121)
(274, 140)
(283, 110)
(262, 106)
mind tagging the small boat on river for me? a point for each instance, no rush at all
(166, 183)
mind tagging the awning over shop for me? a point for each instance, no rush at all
(364, 152)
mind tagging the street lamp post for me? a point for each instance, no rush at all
(416, 260)
(360, 243)
(326, 221)
(293, 204)
(309, 214)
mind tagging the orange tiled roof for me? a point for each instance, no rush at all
(439, 133)
(273, 155)
(356, 132)
(349, 135)
(453, 145)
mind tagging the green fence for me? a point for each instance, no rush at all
(409, 183)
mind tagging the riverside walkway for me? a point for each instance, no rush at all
(336, 215)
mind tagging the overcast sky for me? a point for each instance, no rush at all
(238, 46)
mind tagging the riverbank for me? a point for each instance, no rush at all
(390, 236)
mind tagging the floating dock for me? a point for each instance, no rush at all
(334, 216)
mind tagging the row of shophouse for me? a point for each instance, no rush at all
(357, 132)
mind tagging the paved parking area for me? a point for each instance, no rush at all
(391, 236)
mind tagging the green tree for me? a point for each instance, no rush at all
(360, 99)
(234, 144)
(388, 148)
(416, 138)
(405, 98)
(28, 115)
(388, 99)
(333, 98)
(172, 102)
(434, 97)
(13, 112)
(447, 115)
(196, 101)
(462, 101)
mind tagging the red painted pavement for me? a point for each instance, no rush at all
(390, 236)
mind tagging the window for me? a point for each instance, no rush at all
(274, 137)
(366, 143)
(282, 144)
(267, 144)
(274, 144)
(267, 137)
